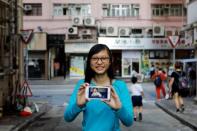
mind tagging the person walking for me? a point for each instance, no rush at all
(137, 94)
(158, 77)
(175, 90)
(100, 115)
(56, 68)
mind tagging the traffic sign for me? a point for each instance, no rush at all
(25, 90)
(173, 40)
(26, 35)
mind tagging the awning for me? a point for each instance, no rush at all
(188, 60)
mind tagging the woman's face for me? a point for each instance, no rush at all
(100, 62)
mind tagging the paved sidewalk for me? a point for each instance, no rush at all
(14, 122)
(188, 117)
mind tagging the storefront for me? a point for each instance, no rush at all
(129, 54)
(76, 55)
(138, 54)
(37, 56)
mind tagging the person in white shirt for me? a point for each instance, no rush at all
(137, 93)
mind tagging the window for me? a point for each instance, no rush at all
(168, 10)
(71, 9)
(115, 10)
(33, 9)
(120, 10)
(125, 10)
(159, 54)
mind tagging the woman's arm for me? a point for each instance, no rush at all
(72, 110)
(171, 82)
(125, 113)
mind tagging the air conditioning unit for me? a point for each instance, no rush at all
(123, 31)
(86, 32)
(78, 6)
(65, 6)
(169, 33)
(112, 31)
(158, 30)
(27, 8)
(136, 6)
(136, 32)
(72, 30)
(89, 21)
(105, 6)
(77, 21)
(102, 31)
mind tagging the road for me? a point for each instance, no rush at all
(58, 95)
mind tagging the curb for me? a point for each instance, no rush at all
(21, 126)
(44, 108)
(185, 122)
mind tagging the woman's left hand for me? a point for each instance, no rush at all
(114, 101)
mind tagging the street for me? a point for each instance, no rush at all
(58, 95)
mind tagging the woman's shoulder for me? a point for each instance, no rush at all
(119, 82)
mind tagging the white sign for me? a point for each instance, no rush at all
(140, 43)
(78, 47)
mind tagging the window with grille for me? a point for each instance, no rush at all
(120, 10)
(60, 9)
(168, 10)
(34, 9)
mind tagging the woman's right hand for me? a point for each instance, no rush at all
(81, 100)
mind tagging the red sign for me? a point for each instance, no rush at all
(26, 35)
(173, 40)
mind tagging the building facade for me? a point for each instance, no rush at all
(138, 33)
(191, 31)
(11, 57)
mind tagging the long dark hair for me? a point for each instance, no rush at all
(89, 73)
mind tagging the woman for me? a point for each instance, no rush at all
(158, 88)
(100, 115)
(176, 92)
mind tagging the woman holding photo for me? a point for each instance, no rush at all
(100, 115)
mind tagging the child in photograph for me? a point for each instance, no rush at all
(137, 93)
(95, 93)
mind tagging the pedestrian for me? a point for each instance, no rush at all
(137, 93)
(175, 90)
(158, 77)
(152, 70)
(56, 67)
(100, 115)
(64, 69)
(192, 81)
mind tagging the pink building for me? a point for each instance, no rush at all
(136, 31)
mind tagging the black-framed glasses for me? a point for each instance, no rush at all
(103, 59)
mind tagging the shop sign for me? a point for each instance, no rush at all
(38, 42)
(77, 66)
(140, 43)
(78, 47)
